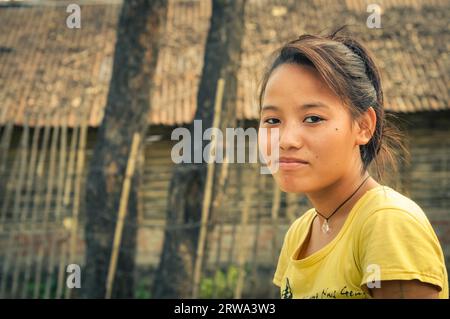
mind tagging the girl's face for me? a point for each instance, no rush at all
(317, 143)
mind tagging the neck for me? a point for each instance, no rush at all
(326, 200)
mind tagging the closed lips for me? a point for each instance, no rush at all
(291, 160)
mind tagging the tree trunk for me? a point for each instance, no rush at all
(174, 276)
(139, 30)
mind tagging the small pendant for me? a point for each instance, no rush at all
(325, 227)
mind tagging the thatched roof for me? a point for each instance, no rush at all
(47, 67)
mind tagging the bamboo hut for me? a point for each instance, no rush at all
(53, 86)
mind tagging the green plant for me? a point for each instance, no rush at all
(142, 290)
(221, 285)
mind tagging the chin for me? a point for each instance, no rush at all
(291, 184)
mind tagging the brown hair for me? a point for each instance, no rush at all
(348, 69)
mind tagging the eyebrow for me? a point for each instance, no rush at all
(302, 107)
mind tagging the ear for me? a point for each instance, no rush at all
(365, 127)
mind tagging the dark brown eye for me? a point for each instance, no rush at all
(272, 121)
(313, 119)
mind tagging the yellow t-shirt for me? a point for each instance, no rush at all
(386, 236)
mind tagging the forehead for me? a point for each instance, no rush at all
(298, 82)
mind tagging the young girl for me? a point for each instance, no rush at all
(361, 239)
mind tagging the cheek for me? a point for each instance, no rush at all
(331, 149)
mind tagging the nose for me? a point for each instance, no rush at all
(290, 137)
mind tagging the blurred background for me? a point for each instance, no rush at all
(90, 95)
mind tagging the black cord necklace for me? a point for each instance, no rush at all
(325, 227)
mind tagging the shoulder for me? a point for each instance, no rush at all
(389, 205)
(391, 223)
(396, 236)
(394, 225)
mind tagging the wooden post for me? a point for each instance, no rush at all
(11, 246)
(74, 140)
(208, 192)
(51, 175)
(64, 184)
(48, 197)
(31, 172)
(122, 213)
(77, 189)
(61, 168)
(40, 170)
(41, 178)
(28, 206)
(59, 215)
